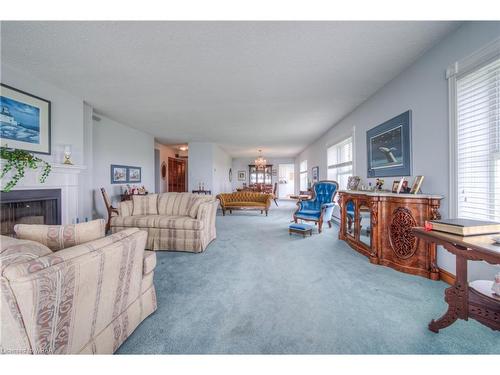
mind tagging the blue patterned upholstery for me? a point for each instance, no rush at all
(320, 207)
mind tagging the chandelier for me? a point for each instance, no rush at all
(260, 162)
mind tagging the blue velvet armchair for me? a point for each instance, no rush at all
(320, 207)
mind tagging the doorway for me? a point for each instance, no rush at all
(157, 171)
(176, 175)
(286, 181)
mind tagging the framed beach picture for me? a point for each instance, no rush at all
(24, 120)
(389, 147)
(119, 174)
(134, 174)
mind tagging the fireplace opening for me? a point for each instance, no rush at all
(41, 206)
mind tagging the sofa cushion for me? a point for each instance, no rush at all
(71, 253)
(14, 251)
(195, 202)
(126, 208)
(145, 204)
(173, 204)
(58, 237)
(157, 221)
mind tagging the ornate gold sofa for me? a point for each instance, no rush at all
(244, 200)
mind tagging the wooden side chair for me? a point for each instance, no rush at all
(275, 191)
(109, 208)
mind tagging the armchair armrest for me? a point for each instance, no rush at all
(306, 204)
(207, 211)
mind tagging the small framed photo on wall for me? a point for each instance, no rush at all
(134, 174)
(315, 174)
(119, 174)
(242, 175)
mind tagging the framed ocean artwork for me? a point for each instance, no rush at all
(24, 121)
(389, 147)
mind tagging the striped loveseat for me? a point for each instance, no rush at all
(174, 221)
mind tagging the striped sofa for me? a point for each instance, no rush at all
(86, 298)
(173, 221)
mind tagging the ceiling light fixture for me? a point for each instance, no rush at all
(260, 162)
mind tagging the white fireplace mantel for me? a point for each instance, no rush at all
(62, 176)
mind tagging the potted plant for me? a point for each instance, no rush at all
(18, 161)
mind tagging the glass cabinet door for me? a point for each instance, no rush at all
(350, 214)
(365, 229)
(268, 175)
(252, 175)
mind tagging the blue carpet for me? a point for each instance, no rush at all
(256, 290)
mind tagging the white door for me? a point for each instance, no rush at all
(286, 180)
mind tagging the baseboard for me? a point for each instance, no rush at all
(446, 276)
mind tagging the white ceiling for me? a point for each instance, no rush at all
(245, 85)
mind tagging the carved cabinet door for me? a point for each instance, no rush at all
(400, 248)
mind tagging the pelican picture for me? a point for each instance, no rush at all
(389, 147)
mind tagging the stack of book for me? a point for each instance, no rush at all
(463, 227)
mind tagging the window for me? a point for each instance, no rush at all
(303, 175)
(339, 158)
(475, 101)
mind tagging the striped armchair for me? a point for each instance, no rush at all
(86, 298)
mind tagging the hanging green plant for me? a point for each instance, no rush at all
(18, 161)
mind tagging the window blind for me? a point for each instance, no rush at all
(478, 143)
(339, 157)
(303, 175)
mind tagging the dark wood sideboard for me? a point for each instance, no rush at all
(379, 226)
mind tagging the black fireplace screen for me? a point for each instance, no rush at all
(29, 207)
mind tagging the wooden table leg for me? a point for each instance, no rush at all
(456, 297)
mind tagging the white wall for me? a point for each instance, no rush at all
(208, 164)
(423, 89)
(115, 143)
(241, 164)
(222, 164)
(200, 165)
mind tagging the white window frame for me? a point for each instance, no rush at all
(341, 138)
(481, 57)
(301, 172)
(344, 164)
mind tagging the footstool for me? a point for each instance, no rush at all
(300, 229)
